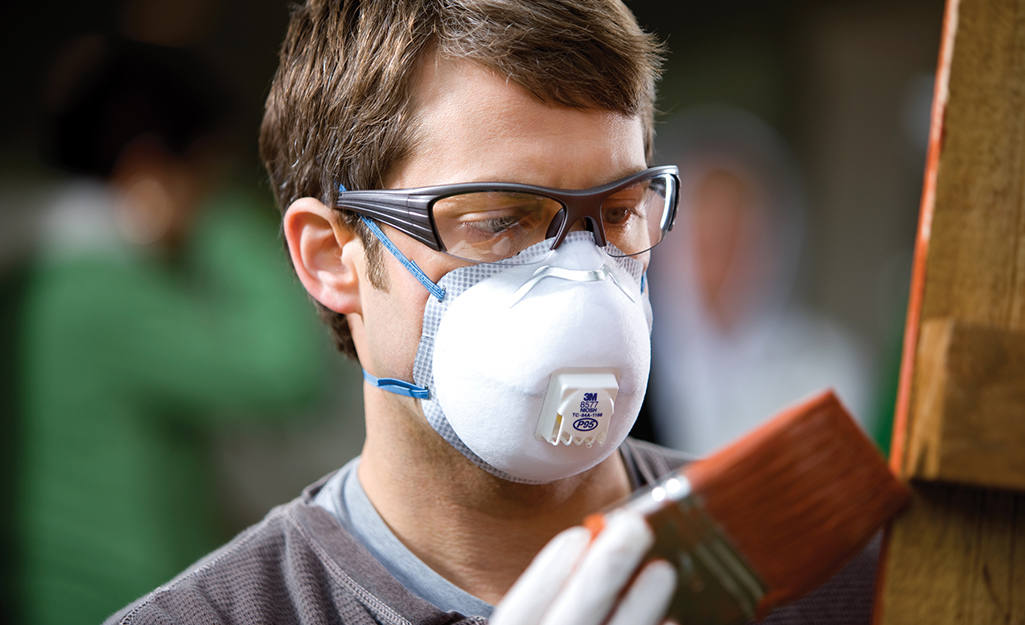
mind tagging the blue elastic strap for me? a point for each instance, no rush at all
(399, 387)
(418, 273)
(644, 281)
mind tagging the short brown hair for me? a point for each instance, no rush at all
(340, 108)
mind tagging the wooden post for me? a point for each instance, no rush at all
(957, 555)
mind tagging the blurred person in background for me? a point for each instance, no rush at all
(735, 344)
(158, 306)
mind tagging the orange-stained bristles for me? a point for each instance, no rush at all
(595, 523)
(798, 496)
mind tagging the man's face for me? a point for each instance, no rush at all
(474, 126)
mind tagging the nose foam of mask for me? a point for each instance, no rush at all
(488, 354)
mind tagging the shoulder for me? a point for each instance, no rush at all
(298, 565)
(231, 584)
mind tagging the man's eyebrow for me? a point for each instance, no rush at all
(626, 173)
(630, 172)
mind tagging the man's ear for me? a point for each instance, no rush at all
(324, 253)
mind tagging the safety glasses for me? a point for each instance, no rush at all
(488, 222)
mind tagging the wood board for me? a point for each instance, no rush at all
(957, 555)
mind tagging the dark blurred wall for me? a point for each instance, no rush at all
(241, 38)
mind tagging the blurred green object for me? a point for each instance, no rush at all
(129, 358)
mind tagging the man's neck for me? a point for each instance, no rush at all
(476, 530)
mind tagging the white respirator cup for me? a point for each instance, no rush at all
(537, 365)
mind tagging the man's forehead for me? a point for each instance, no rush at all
(469, 117)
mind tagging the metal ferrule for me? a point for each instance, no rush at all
(715, 584)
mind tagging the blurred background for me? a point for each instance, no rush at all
(800, 127)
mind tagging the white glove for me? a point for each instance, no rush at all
(573, 581)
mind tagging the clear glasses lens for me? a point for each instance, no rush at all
(635, 218)
(490, 226)
(493, 225)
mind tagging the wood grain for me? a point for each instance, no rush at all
(976, 267)
(955, 558)
(969, 425)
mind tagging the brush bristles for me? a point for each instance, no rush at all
(800, 495)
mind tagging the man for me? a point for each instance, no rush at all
(504, 291)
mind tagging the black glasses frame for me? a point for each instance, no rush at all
(411, 210)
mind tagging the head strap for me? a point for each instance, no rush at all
(399, 387)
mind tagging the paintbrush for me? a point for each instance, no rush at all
(771, 516)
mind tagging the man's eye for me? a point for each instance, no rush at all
(617, 215)
(491, 226)
(496, 225)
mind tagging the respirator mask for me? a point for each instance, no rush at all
(537, 368)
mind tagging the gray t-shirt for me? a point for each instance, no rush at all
(343, 496)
